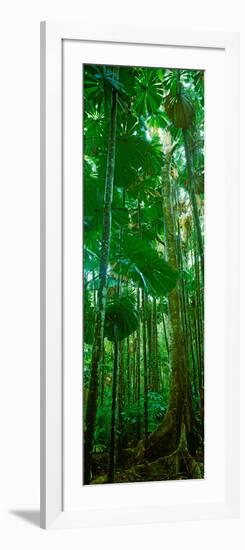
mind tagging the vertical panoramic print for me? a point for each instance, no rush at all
(143, 274)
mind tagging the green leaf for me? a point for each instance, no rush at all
(180, 109)
(121, 318)
(98, 82)
(149, 91)
(138, 261)
(136, 154)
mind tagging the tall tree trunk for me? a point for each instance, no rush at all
(154, 345)
(101, 298)
(121, 395)
(149, 331)
(145, 370)
(165, 334)
(138, 392)
(102, 374)
(199, 319)
(189, 351)
(156, 371)
(111, 467)
(191, 187)
(165, 439)
(128, 371)
(176, 334)
(134, 384)
(152, 369)
(120, 392)
(145, 365)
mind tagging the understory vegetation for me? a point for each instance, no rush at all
(143, 288)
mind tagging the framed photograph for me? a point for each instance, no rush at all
(139, 275)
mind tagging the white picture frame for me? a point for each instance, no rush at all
(53, 513)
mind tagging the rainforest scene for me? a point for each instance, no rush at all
(143, 274)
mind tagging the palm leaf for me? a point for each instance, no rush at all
(136, 154)
(121, 318)
(149, 92)
(138, 261)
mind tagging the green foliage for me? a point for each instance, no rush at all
(134, 413)
(157, 406)
(141, 263)
(136, 154)
(121, 318)
(102, 432)
(180, 110)
(99, 80)
(149, 92)
(153, 108)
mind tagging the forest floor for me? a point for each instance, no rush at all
(180, 465)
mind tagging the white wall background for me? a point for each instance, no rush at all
(19, 269)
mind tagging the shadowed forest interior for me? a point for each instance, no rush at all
(143, 274)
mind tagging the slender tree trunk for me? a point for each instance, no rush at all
(153, 352)
(121, 362)
(149, 331)
(156, 366)
(120, 403)
(94, 290)
(199, 322)
(128, 371)
(191, 186)
(101, 298)
(145, 367)
(111, 467)
(138, 392)
(165, 334)
(102, 374)
(189, 351)
(134, 382)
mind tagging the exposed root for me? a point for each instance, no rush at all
(179, 464)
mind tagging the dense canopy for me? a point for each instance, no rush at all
(143, 166)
